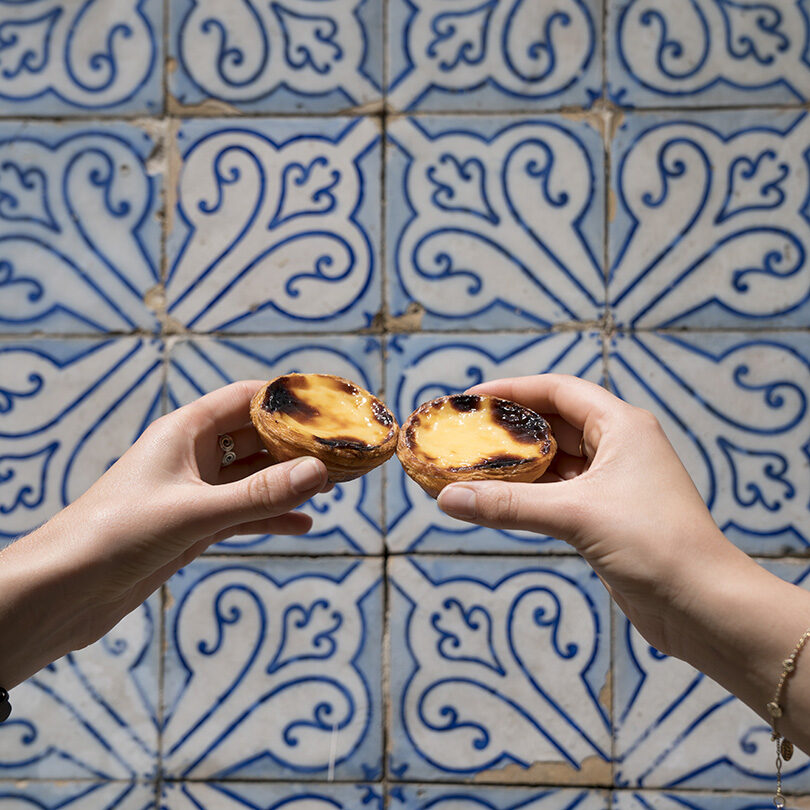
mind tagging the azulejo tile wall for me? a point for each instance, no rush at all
(418, 195)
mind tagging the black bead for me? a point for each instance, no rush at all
(5, 705)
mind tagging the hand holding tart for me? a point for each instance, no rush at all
(328, 417)
(469, 437)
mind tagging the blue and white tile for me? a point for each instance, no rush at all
(347, 519)
(708, 53)
(273, 670)
(712, 226)
(734, 405)
(277, 226)
(277, 57)
(695, 800)
(677, 728)
(268, 796)
(429, 797)
(421, 367)
(68, 410)
(43, 795)
(499, 670)
(495, 222)
(79, 231)
(91, 714)
(74, 57)
(495, 55)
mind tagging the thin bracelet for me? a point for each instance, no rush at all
(5, 705)
(784, 747)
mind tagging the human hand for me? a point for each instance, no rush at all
(629, 507)
(160, 505)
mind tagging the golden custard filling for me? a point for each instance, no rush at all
(464, 432)
(334, 411)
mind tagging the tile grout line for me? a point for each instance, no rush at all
(168, 151)
(385, 670)
(510, 112)
(583, 326)
(608, 321)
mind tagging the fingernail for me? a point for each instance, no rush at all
(458, 501)
(306, 475)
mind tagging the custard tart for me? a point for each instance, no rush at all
(327, 417)
(468, 437)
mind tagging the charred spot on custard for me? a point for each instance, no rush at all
(280, 398)
(346, 387)
(495, 462)
(344, 442)
(381, 413)
(524, 425)
(465, 402)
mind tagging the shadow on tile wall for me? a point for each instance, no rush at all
(418, 195)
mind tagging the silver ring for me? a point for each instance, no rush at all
(226, 444)
(583, 450)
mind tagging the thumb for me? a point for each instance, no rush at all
(552, 509)
(267, 493)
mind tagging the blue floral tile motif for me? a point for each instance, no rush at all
(347, 519)
(735, 407)
(691, 800)
(277, 226)
(427, 797)
(268, 796)
(677, 728)
(91, 714)
(273, 670)
(494, 222)
(708, 52)
(421, 367)
(68, 410)
(498, 669)
(279, 56)
(713, 220)
(79, 235)
(494, 55)
(69, 57)
(76, 795)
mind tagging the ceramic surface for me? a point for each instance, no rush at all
(419, 195)
(493, 55)
(273, 670)
(707, 53)
(276, 57)
(79, 227)
(712, 226)
(489, 678)
(81, 57)
(277, 226)
(495, 222)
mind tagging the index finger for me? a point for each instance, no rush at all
(225, 409)
(581, 403)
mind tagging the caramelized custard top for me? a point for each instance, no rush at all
(469, 431)
(334, 411)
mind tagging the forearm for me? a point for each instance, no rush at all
(737, 623)
(42, 606)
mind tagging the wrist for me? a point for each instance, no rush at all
(737, 623)
(42, 604)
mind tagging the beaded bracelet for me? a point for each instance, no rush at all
(784, 747)
(5, 705)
